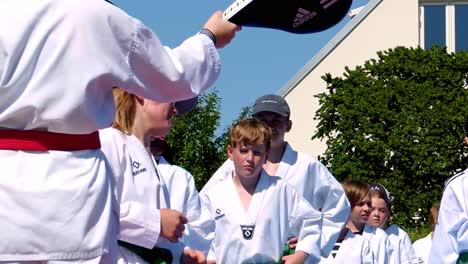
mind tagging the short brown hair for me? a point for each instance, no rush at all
(356, 191)
(125, 104)
(250, 131)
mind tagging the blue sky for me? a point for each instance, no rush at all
(258, 61)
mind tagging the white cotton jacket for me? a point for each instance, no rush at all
(258, 235)
(381, 246)
(138, 187)
(58, 63)
(451, 232)
(199, 231)
(422, 248)
(312, 180)
(403, 251)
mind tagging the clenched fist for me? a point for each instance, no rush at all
(172, 224)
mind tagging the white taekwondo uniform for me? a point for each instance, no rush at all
(422, 247)
(259, 235)
(451, 232)
(58, 63)
(354, 249)
(139, 190)
(403, 251)
(312, 180)
(199, 231)
(380, 244)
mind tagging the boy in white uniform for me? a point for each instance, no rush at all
(255, 212)
(450, 239)
(351, 247)
(308, 176)
(58, 63)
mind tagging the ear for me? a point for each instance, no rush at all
(140, 100)
(229, 151)
(289, 125)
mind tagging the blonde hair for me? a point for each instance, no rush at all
(125, 104)
(356, 191)
(250, 131)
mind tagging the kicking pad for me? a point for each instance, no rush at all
(295, 16)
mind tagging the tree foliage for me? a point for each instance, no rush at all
(193, 142)
(398, 120)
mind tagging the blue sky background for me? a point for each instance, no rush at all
(258, 60)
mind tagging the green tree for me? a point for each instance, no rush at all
(398, 120)
(192, 140)
(224, 138)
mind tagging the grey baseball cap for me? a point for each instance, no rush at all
(271, 103)
(186, 106)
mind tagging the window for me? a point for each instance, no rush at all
(434, 26)
(444, 23)
(461, 27)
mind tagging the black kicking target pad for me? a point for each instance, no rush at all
(295, 16)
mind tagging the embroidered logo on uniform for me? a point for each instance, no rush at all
(219, 214)
(136, 168)
(247, 231)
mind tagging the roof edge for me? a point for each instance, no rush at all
(328, 48)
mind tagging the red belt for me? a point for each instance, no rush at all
(44, 141)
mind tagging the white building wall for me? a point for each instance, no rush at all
(391, 23)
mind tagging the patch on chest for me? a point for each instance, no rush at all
(247, 231)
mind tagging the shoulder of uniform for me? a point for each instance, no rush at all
(456, 176)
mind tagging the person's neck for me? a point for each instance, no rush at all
(355, 227)
(248, 183)
(142, 135)
(276, 152)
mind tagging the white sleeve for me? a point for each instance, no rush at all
(307, 222)
(332, 202)
(139, 224)
(139, 60)
(200, 228)
(366, 253)
(451, 232)
(408, 247)
(178, 73)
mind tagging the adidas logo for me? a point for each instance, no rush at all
(302, 16)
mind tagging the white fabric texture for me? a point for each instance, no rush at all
(58, 63)
(451, 232)
(275, 210)
(422, 248)
(403, 251)
(380, 244)
(312, 180)
(199, 231)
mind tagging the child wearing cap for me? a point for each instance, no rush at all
(308, 176)
(150, 228)
(255, 212)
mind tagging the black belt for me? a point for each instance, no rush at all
(152, 256)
